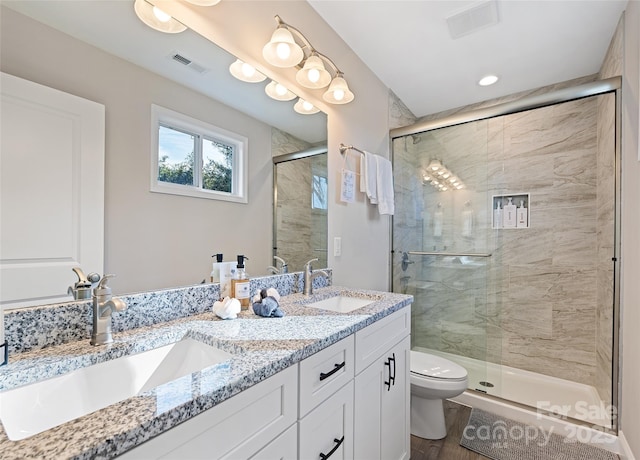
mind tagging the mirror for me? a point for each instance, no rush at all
(300, 207)
(136, 260)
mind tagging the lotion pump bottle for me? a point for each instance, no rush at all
(497, 216)
(240, 286)
(509, 214)
(215, 271)
(522, 215)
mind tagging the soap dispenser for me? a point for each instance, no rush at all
(215, 270)
(522, 216)
(240, 285)
(509, 214)
(497, 215)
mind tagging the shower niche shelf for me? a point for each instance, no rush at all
(516, 216)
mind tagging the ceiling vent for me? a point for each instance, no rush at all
(473, 18)
(177, 57)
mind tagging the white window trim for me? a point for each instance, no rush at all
(240, 192)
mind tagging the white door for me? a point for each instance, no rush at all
(51, 191)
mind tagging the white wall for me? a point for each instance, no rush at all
(151, 240)
(630, 289)
(243, 28)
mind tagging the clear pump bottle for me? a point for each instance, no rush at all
(240, 285)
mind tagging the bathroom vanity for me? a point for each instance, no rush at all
(316, 382)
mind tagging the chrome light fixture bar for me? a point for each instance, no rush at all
(284, 51)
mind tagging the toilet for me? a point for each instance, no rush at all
(433, 379)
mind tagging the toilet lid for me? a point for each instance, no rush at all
(435, 367)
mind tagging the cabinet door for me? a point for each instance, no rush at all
(327, 431)
(381, 408)
(395, 412)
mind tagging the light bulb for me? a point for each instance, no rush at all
(248, 70)
(307, 105)
(313, 75)
(281, 90)
(338, 94)
(283, 50)
(161, 15)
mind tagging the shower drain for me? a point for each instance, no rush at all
(487, 384)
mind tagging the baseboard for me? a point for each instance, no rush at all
(624, 447)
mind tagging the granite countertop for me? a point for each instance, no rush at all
(261, 347)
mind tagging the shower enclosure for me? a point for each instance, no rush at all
(505, 233)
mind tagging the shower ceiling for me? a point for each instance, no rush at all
(408, 45)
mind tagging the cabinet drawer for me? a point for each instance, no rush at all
(374, 340)
(328, 429)
(324, 373)
(284, 447)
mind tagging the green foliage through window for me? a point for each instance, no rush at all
(177, 160)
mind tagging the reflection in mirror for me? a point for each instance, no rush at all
(300, 207)
(133, 256)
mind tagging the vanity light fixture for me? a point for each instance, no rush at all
(278, 92)
(157, 19)
(304, 107)
(283, 51)
(441, 178)
(246, 72)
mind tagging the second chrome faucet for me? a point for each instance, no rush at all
(103, 305)
(309, 275)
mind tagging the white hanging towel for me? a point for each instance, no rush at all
(368, 176)
(384, 182)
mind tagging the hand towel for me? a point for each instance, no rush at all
(384, 185)
(368, 174)
(227, 308)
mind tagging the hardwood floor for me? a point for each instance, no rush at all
(449, 448)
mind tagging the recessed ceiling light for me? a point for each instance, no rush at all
(488, 80)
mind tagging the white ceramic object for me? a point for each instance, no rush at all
(37, 407)
(433, 379)
(341, 304)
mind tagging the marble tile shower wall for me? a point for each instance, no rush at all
(49, 325)
(533, 304)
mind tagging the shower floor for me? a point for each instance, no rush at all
(563, 398)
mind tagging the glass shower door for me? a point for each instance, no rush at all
(441, 240)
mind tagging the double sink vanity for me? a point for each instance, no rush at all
(329, 379)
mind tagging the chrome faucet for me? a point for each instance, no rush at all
(103, 305)
(309, 275)
(284, 268)
(81, 290)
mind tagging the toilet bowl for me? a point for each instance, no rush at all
(433, 379)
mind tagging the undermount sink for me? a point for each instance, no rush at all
(341, 303)
(31, 409)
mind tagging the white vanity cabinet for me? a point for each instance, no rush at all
(382, 389)
(349, 400)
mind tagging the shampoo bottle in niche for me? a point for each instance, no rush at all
(215, 271)
(522, 216)
(240, 286)
(497, 215)
(509, 214)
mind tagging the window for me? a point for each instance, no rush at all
(193, 158)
